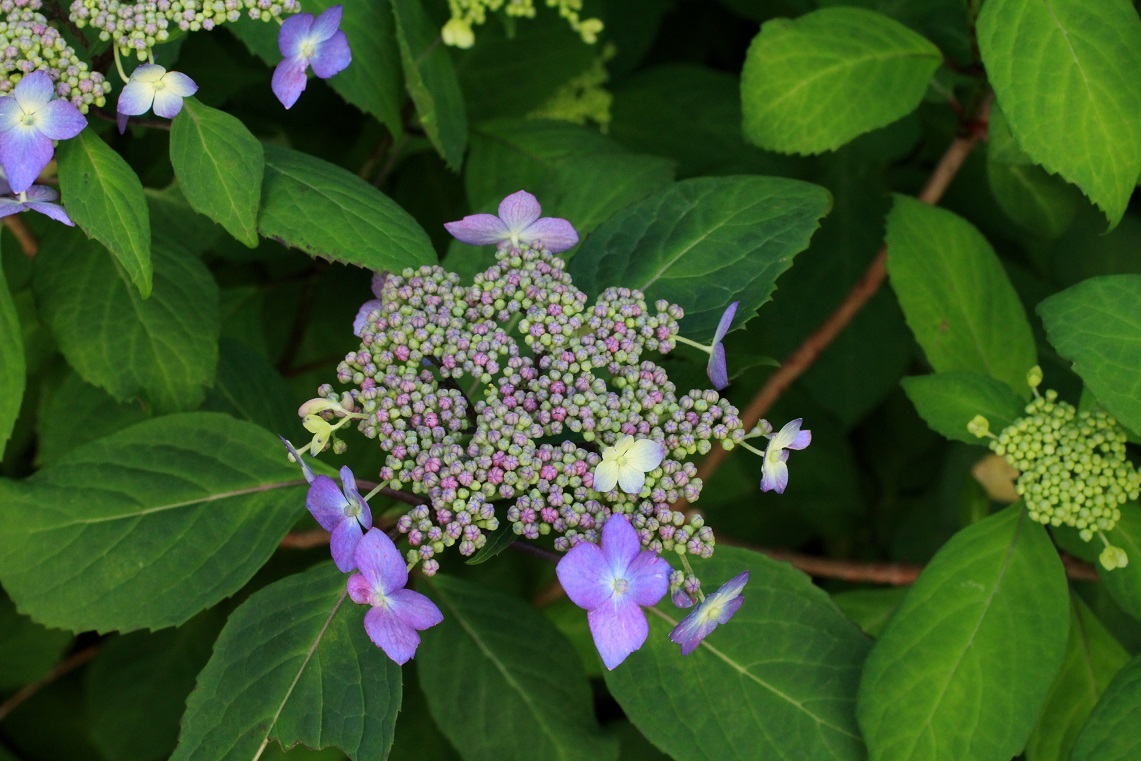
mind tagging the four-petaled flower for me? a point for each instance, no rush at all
(627, 463)
(306, 41)
(715, 609)
(343, 513)
(716, 368)
(518, 224)
(29, 121)
(612, 582)
(36, 198)
(361, 320)
(151, 84)
(397, 613)
(774, 472)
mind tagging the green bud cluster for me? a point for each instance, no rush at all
(466, 14)
(584, 98)
(29, 43)
(136, 27)
(1072, 465)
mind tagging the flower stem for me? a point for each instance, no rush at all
(694, 344)
(119, 64)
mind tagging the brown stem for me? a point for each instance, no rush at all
(159, 124)
(801, 359)
(27, 239)
(69, 665)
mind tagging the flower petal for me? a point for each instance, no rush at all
(803, 439)
(645, 454)
(606, 476)
(519, 210)
(583, 574)
(362, 315)
(787, 434)
(619, 628)
(414, 609)
(692, 630)
(34, 91)
(398, 640)
(289, 80)
(733, 587)
(10, 206)
(648, 578)
(136, 98)
(726, 322)
(343, 544)
(631, 480)
(478, 229)
(53, 210)
(620, 544)
(167, 104)
(60, 120)
(380, 561)
(377, 283)
(121, 122)
(327, 24)
(349, 481)
(24, 152)
(555, 234)
(293, 31)
(359, 589)
(179, 84)
(41, 194)
(148, 73)
(332, 56)
(774, 476)
(716, 368)
(326, 502)
(305, 469)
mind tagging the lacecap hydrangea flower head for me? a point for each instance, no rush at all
(515, 399)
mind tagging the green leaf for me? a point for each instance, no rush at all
(74, 412)
(1124, 584)
(1096, 324)
(12, 365)
(430, 77)
(105, 198)
(1065, 73)
(955, 295)
(494, 650)
(501, 539)
(948, 401)
(964, 666)
(327, 211)
(219, 165)
(795, 694)
(1093, 656)
(870, 609)
(148, 526)
(136, 688)
(293, 664)
(704, 243)
(27, 650)
(1043, 204)
(372, 82)
(812, 84)
(250, 388)
(1111, 732)
(164, 347)
(173, 221)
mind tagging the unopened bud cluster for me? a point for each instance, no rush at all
(137, 27)
(29, 43)
(1072, 465)
(507, 391)
(467, 14)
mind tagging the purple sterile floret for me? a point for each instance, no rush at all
(518, 224)
(397, 613)
(774, 472)
(716, 369)
(715, 609)
(612, 582)
(341, 512)
(152, 85)
(38, 198)
(29, 121)
(306, 41)
(361, 319)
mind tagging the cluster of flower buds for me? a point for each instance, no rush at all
(1072, 465)
(137, 27)
(29, 43)
(467, 14)
(515, 393)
